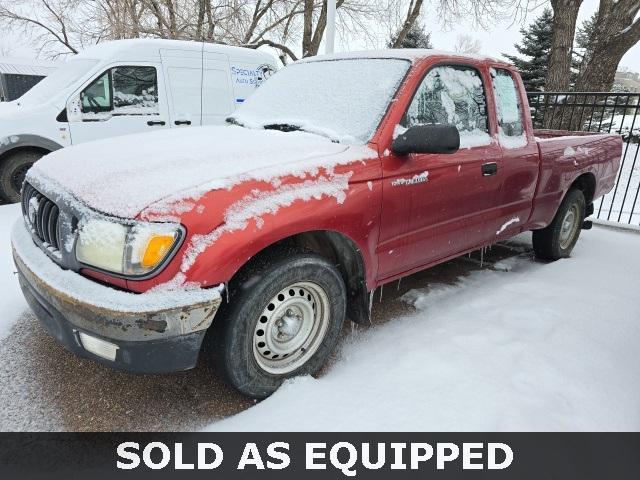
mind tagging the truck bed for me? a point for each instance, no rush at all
(566, 156)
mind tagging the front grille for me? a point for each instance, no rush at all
(42, 216)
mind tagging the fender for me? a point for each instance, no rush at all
(340, 228)
(13, 142)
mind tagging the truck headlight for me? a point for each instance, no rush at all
(135, 249)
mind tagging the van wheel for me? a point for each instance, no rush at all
(283, 320)
(13, 169)
(558, 239)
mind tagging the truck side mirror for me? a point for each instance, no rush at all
(427, 139)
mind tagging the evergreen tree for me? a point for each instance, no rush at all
(416, 38)
(534, 51)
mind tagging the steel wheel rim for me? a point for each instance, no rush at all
(291, 328)
(569, 226)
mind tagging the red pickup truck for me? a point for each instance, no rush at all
(253, 242)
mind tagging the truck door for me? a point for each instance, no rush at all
(519, 168)
(183, 75)
(123, 99)
(435, 205)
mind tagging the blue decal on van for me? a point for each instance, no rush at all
(239, 100)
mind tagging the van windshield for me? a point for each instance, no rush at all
(55, 83)
(344, 100)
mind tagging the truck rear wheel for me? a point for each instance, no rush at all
(558, 239)
(12, 172)
(282, 320)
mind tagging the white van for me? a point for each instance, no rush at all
(121, 87)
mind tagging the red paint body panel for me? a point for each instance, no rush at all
(399, 230)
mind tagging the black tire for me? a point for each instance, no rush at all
(13, 169)
(552, 242)
(233, 347)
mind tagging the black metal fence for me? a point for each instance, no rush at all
(607, 113)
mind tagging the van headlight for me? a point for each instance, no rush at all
(135, 249)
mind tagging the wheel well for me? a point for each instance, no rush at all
(344, 254)
(586, 183)
(13, 151)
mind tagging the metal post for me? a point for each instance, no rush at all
(331, 26)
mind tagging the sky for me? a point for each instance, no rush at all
(495, 41)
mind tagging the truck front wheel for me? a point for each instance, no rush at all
(282, 320)
(13, 169)
(558, 239)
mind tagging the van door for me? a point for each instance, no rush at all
(217, 97)
(121, 100)
(183, 75)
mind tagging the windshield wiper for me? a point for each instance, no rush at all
(283, 127)
(233, 121)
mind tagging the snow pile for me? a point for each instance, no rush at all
(13, 303)
(75, 286)
(124, 175)
(344, 100)
(540, 347)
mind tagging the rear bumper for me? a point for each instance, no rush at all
(146, 333)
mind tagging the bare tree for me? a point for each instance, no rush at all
(50, 21)
(467, 44)
(413, 12)
(615, 31)
(565, 15)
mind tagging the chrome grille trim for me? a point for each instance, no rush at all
(42, 216)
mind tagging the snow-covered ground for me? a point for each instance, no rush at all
(12, 303)
(520, 345)
(536, 347)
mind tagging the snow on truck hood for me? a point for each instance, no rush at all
(122, 176)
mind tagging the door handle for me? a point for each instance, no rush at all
(151, 123)
(489, 169)
(182, 122)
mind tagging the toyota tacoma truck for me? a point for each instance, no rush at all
(253, 242)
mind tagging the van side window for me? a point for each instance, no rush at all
(97, 96)
(126, 90)
(509, 108)
(452, 95)
(135, 90)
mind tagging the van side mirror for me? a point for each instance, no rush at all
(427, 139)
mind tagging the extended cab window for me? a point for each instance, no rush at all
(123, 91)
(452, 95)
(509, 109)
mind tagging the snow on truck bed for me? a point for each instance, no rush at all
(121, 176)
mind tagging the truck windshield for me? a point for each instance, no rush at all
(58, 81)
(344, 100)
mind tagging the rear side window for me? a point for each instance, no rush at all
(126, 90)
(509, 109)
(452, 95)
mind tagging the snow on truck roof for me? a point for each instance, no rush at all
(411, 54)
(135, 47)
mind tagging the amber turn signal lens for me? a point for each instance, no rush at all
(157, 249)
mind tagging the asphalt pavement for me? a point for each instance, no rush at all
(44, 387)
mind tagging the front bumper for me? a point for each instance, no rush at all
(154, 332)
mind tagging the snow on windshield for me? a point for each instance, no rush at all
(341, 99)
(59, 80)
